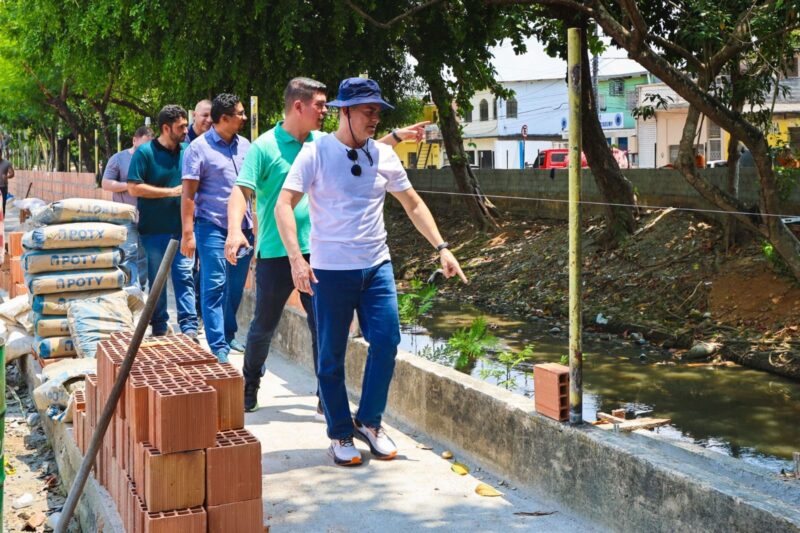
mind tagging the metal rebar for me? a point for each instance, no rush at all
(79, 482)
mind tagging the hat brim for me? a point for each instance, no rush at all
(360, 101)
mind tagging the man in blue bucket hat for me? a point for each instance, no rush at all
(346, 176)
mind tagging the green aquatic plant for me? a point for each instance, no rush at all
(412, 305)
(503, 376)
(471, 343)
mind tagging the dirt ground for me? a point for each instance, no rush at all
(30, 464)
(673, 279)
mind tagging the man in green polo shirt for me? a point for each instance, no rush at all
(154, 178)
(263, 172)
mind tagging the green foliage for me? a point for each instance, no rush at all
(471, 343)
(503, 376)
(564, 360)
(773, 258)
(412, 305)
(655, 102)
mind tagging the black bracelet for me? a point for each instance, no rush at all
(443, 246)
(396, 136)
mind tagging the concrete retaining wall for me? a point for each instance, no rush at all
(630, 482)
(653, 187)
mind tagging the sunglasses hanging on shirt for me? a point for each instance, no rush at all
(352, 155)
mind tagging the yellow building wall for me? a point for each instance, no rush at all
(781, 126)
(405, 148)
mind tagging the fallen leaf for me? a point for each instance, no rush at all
(535, 513)
(460, 469)
(447, 455)
(36, 520)
(487, 490)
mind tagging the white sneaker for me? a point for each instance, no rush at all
(381, 446)
(344, 452)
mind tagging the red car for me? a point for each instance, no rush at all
(556, 158)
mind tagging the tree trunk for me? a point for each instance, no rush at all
(785, 243)
(734, 155)
(613, 186)
(482, 210)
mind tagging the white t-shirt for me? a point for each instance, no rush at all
(346, 211)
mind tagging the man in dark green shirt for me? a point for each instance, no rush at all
(154, 178)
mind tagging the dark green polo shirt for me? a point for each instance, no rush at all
(154, 165)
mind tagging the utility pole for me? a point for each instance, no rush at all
(575, 325)
(119, 140)
(80, 153)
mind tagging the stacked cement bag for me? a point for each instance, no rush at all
(16, 327)
(75, 256)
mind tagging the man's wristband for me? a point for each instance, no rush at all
(443, 246)
(396, 136)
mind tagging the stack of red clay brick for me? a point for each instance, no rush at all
(175, 457)
(11, 276)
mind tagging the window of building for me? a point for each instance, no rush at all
(714, 142)
(794, 139)
(601, 102)
(412, 160)
(470, 156)
(484, 110)
(494, 109)
(486, 158)
(511, 108)
(467, 115)
(616, 87)
(673, 153)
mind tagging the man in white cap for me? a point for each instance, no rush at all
(346, 177)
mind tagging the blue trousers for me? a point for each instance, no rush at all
(371, 293)
(135, 260)
(181, 272)
(274, 285)
(221, 284)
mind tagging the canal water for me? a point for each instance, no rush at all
(743, 413)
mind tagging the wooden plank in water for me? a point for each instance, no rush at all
(637, 423)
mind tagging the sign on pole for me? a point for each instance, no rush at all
(524, 132)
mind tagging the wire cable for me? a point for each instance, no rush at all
(588, 202)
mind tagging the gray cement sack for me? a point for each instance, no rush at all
(36, 261)
(86, 210)
(95, 319)
(50, 326)
(56, 304)
(54, 347)
(75, 281)
(79, 235)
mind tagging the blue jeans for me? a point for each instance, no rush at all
(221, 284)
(181, 270)
(274, 285)
(372, 294)
(135, 260)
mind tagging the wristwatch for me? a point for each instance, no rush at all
(442, 246)
(396, 136)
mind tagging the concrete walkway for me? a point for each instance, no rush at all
(304, 491)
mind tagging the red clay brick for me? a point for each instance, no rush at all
(229, 384)
(90, 392)
(181, 416)
(551, 390)
(182, 521)
(172, 480)
(16, 270)
(241, 517)
(77, 430)
(233, 468)
(15, 243)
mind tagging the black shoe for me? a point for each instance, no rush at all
(250, 397)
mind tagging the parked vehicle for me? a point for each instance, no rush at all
(556, 158)
(559, 158)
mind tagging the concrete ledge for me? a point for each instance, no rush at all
(627, 481)
(96, 510)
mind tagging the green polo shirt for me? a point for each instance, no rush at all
(264, 171)
(154, 165)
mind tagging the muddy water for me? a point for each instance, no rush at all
(740, 412)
